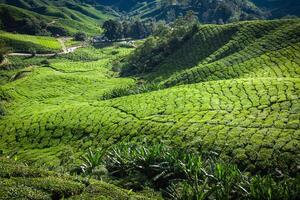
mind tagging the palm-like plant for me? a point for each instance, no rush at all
(91, 160)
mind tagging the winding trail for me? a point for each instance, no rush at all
(65, 50)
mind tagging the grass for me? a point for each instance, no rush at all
(237, 97)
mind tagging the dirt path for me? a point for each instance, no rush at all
(62, 43)
(65, 50)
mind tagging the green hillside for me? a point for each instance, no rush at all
(19, 181)
(257, 97)
(52, 17)
(243, 50)
(213, 11)
(27, 43)
(229, 89)
(39, 17)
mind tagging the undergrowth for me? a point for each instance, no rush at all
(186, 174)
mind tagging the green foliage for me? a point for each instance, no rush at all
(19, 181)
(213, 11)
(166, 41)
(3, 51)
(233, 89)
(155, 49)
(267, 188)
(80, 36)
(27, 43)
(261, 56)
(130, 28)
(52, 18)
(113, 29)
(188, 175)
(91, 160)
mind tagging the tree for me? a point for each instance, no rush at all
(138, 30)
(113, 30)
(126, 29)
(80, 36)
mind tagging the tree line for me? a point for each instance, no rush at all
(164, 41)
(115, 30)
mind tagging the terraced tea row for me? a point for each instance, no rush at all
(27, 43)
(281, 63)
(256, 121)
(245, 104)
(248, 49)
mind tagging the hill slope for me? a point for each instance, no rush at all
(56, 17)
(41, 17)
(243, 50)
(208, 11)
(27, 43)
(19, 181)
(280, 8)
(243, 103)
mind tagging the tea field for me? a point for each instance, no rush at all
(233, 89)
(27, 43)
(42, 184)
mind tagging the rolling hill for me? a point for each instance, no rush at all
(280, 8)
(214, 11)
(29, 43)
(52, 17)
(237, 94)
(208, 11)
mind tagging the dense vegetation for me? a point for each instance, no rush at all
(115, 30)
(52, 17)
(192, 112)
(68, 17)
(29, 43)
(48, 86)
(213, 11)
(280, 8)
(20, 181)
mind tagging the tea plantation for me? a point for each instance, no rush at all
(233, 89)
(19, 181)
(26, 43)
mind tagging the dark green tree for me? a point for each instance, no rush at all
(80, 36)
(113, 30)
(138, 30)
(126, 29)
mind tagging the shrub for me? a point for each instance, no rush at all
(130, 90)
(45, 62)
(80, 36)
(92, 162)
(184, 174)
